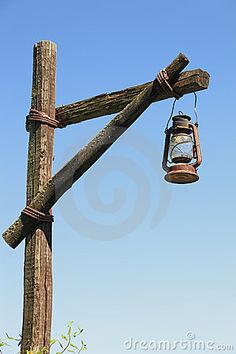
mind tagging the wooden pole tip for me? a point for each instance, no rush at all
(45, 43)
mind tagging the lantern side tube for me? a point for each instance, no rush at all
(197, 146)
(166, 150)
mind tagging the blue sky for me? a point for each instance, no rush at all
(160, 260)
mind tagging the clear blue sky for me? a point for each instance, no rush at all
(133, 256)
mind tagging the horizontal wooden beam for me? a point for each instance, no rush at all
(114, 102)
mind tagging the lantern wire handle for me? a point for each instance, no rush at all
(180, 112)
(195, 109)
(171, 114)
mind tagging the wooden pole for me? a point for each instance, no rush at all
(37, 311)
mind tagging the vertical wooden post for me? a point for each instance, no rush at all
(38, 248)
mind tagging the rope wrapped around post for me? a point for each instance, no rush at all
(37, 116)
(162, 78)
(37, 215)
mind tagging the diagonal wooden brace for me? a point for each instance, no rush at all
(87, 156)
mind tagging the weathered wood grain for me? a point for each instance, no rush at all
(114, 102)
(38, 256)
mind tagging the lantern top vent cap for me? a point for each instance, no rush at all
(182, 117)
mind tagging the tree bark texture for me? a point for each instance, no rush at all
(37, 311)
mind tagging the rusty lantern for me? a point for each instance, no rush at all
(182, 154)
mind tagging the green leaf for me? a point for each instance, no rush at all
(74, 346)
(84, 347)
(60, 345)
(69, 331)
(11, 338)
(4, 343)
(64, 337)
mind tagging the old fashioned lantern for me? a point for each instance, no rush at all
(182, 154)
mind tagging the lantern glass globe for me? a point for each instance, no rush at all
(181, 148)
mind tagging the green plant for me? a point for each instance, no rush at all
(6, 341)
(68, 343)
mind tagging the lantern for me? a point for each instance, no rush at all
(182, 154)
